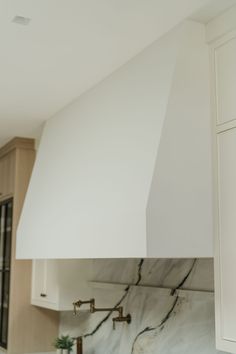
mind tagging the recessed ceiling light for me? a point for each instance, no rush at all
(21, 20)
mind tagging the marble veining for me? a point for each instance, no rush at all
(165, 319)
(139, 278)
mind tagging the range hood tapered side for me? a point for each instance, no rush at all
(90, 186)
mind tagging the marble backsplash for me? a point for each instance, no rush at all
(171, 302)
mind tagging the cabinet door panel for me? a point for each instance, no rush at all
(226, 260)
(225, 70)
(45, 284)
(5, 246)
(38, 280)
(51, 279)
(7, 175)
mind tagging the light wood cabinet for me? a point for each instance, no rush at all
(56, 284)
(29, 329)
(6, 213)
(7, 175)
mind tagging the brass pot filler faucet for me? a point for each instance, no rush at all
(93, 309)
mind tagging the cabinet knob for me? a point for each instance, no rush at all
(43, 295)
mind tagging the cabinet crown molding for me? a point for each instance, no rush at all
(17, 143)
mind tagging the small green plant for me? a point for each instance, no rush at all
(64, 342)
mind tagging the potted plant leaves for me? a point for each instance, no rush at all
(64, 344)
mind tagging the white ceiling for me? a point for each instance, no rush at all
(68, 47)
(212, 10)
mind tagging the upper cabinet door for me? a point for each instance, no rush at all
(226, 243)
(52, 284)
(225, 80)
(45, 284)
(7, 175)
(39, 281)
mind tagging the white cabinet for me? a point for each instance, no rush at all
(45, 290)
(56, 284)
(226, 242)
(224, 111)
(225, 70)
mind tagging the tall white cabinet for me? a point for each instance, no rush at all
(223, 63)
(226, 241)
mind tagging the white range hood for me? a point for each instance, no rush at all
(125, 171)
